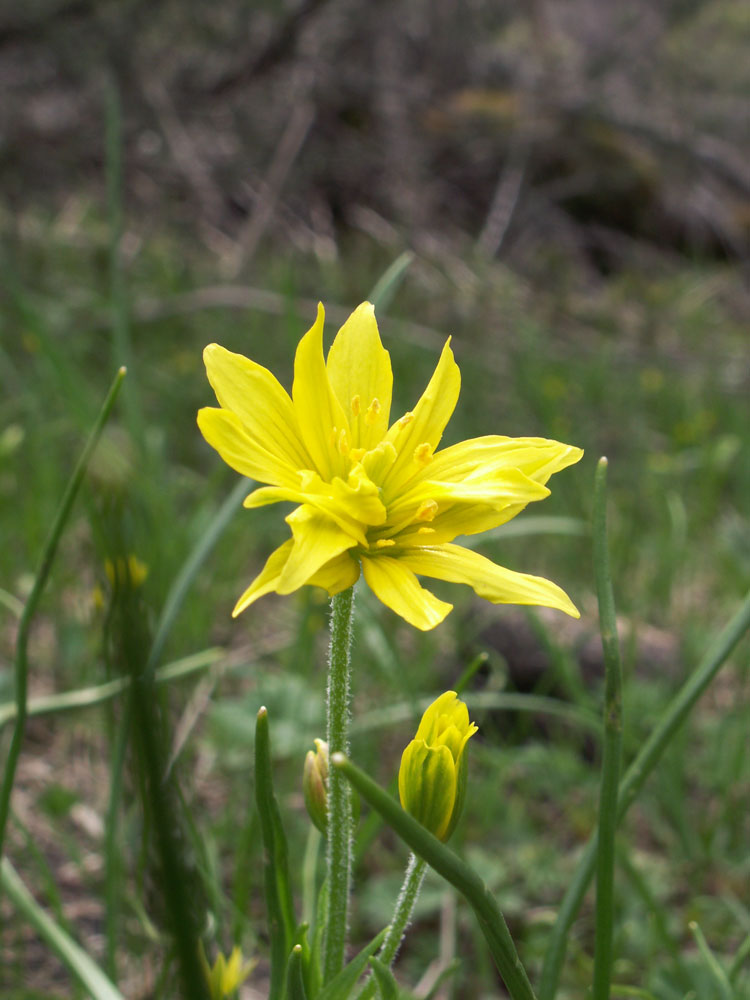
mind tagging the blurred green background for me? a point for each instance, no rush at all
(571, 181)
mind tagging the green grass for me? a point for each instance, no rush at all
(640, 368)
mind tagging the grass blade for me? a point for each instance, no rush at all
(453, 870)
(83, 967)
(98, 694)
(42, 575)
(717, 973)
(387, 284)
(278, 893)
(342, 984)
(295, 983)
(673, 717)
(612, 747)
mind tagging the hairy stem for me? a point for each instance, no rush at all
(339, 853)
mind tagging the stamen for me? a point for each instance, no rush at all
(356, 405)
(384, 543)
(373, 411)
(357, 454)
(333, 437)
(423, 453)
(426, 510)
(425, 531)
(343, 442)
(405, 420)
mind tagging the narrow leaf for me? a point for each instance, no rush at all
(633, 780)
(605, 859)
(386, 980)
(341, 986)
(295, 989)
(453, 870)
(276, 872)
(82, 966)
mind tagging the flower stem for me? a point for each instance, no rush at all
(407, 899)
(339, 852)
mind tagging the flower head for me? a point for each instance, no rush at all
(226, 975)
(432, 776)
(372, 496)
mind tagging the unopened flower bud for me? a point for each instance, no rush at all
(432, 777)
(315, 784)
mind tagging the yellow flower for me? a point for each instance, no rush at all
(373, 497)
(226, 975)
(432, 776)
(126, 572)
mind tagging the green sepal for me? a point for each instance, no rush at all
(385, 979)
(341, 985)
(427, 783)
(281, 922)
(295, 983)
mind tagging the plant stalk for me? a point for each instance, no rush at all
(612, 747)
(407, 900)
(32, 603)
(339, 850)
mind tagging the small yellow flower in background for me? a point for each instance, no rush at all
(432, 776)
(131, 571)
(226, 975)
(373, 496)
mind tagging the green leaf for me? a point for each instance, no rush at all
(387, 284)
(295, 989)
(386, 982)
(83, 967)
(453, 870)
(276, 869)
(341, 986)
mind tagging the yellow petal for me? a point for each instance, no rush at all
(537, 458)
(336, 575)
(261, 403)
(225, 432)
(317, 540)
(494, 583)
(427, 423)
(460, 519)
(266, 581)
(428, 725)
(398, 588)
(495, 490)
(352, 504)
(359, 369)
(320, 416)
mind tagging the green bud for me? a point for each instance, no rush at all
(315, 784)
(432, 776)
(315, 787)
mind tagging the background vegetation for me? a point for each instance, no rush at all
(571, 181)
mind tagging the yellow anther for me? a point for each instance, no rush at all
(357, 454)
(426, 510)
(423, 453)
(333, 437)
(384, 543)
(343, 442)
(356, 405)
(373, 411)
(425, 530)
(405, 420)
